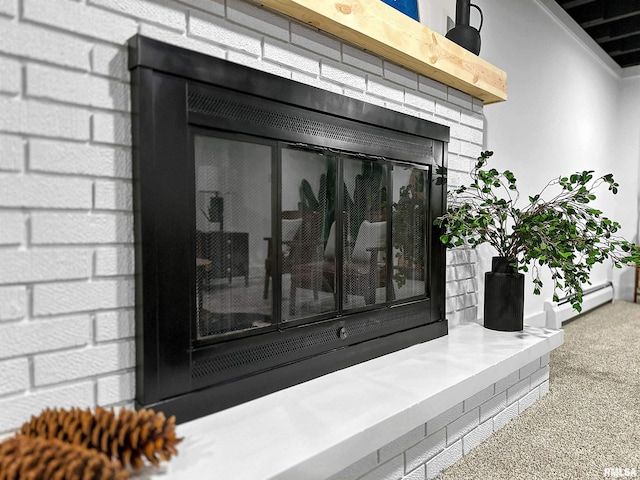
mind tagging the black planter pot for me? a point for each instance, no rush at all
(503, 297)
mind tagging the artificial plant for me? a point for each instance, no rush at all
(558, 228)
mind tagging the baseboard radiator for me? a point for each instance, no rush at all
(559, 312)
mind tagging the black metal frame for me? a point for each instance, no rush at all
(176, 92)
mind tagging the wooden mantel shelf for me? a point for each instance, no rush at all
(381, 29)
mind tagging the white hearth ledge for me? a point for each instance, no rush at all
(316, 429)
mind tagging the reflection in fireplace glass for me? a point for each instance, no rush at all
(233, 218)
(409, 231)
(364, 272)
(328, 263)
(337, 263)
(308, 233)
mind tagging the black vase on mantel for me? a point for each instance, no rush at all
(464, 34)
(503, 297)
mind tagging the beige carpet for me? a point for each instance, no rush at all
(590, 419)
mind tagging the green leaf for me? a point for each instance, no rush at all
(563, 233)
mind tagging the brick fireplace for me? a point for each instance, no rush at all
(67, 276)
(343, 192)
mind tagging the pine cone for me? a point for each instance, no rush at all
(127, 437)
(23, 457)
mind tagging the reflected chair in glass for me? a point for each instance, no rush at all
(364, 266)
(365, 269)
(291, 241)
(314, 268)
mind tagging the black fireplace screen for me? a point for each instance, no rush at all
(283, 232)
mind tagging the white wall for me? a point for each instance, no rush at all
(566, 111)
(627, 167)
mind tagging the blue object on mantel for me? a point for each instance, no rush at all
(408, 7)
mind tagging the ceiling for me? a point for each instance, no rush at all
(613, 24)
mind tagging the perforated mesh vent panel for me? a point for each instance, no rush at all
(233, 110)
(261, 353)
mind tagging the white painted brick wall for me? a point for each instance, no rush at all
(10, 76)
(66, 225)
(35, 117)
(79, 159)
(81, 19)
(11, 153)
(81, 296)
(12, 228)
(314, 81)
(113, 195)
(14, 376)
(527, 370)
(518, 390)
(41, 191)
(385, 89)
(540, 376)
(479, 398)
(476, 436)
(214, 29)
(116, 388)
(403, 443)
(391, 470)
(311, 39)
(259, 19)
(76, 88)
(80, 228)
(425, 450)
(505, 416)
(110, 61)
(493, 406)
(437, 444)
(41, 265)
(32, 42)
(400, 75)
(114, 261)
(8, 7)
(21, 339)
(77, 364)
(19, 409)
(418, 474)
(111, 128)
(114, 325)
(433, 88)
(343, 75)
(444, 459)
(462, 425)
(362, 60)
(445, 418)
(171, 16)
(528, 400)
(13, 303)
(291, 56)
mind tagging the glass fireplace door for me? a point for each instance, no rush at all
(364, 271)
(308, 242)
(409, 231)
(233, 227)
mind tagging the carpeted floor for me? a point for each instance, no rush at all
(590, 419)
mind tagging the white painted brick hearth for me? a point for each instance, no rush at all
(66, 225)
(440, 442)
